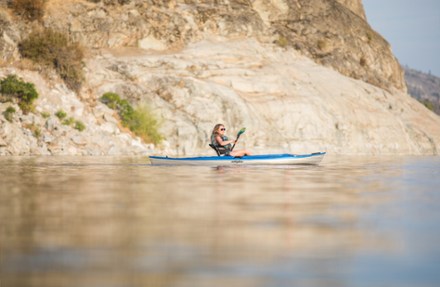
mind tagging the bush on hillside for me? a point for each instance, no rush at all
(79, 125)
(144, 124)
(68, 121)
(282, 41)
(139, 120)
(9, 114)
(54, 49)
(28, 9)
(60, 114)
(14, 89)
(111, 100)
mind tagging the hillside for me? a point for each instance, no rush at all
(300, 75)
(424, 87)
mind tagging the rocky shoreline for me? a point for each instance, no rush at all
(42, 133)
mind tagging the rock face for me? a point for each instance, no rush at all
(424, 87)
(9, 37)
(355, 6)
(333, 33)
(336, 37)
(298, 74)
(286, 101)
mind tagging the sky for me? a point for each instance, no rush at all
(412, 28)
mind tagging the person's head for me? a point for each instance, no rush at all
(218, 129)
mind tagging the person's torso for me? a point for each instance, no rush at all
(215, 143)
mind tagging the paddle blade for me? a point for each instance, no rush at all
(238, 135)
(241, 132)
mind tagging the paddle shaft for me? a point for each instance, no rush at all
(238, 136)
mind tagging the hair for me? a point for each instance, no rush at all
(216, 128)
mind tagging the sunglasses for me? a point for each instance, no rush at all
(222, 129)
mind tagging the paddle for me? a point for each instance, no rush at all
(238, 135)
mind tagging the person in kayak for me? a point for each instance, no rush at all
(223, 144)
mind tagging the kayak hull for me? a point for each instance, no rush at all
(269, 159)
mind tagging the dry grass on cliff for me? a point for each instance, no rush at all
(28, 9)
(53, 49)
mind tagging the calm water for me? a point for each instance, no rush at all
(121, 222)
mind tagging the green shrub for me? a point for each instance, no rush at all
(282, 41)
(54, 49)
(143, 124)
(111, 100)
(9, 114)
(45, 115)
(428, 104)
(79, 125)
(10, 110)
(140, 120)
(26, 107)
(14, 89)
(28, 9)
(68, 122)
(126, 111)
(61, 114)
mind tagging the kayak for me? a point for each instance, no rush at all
(267, 159)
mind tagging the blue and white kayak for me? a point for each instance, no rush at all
(267, 159)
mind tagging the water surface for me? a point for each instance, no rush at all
(104, 221)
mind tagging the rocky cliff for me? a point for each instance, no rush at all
(333, 33)
(300, 75)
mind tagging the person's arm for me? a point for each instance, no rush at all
(221, 142)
